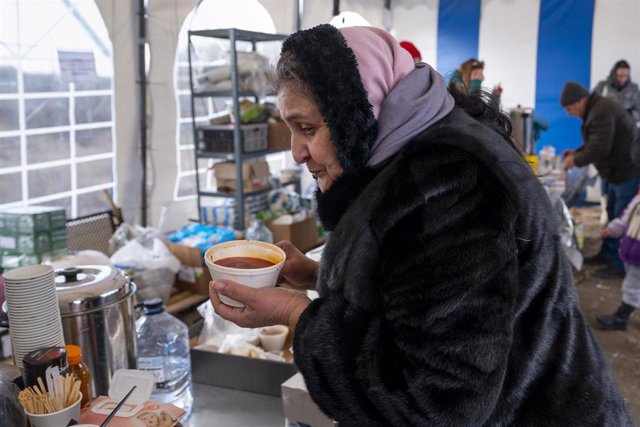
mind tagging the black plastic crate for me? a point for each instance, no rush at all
(219, 138)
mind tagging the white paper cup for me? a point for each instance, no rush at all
(57, 419)
(254, 277)
(28, 273)
(272, 338)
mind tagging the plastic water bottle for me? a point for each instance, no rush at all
(163, 350)
(258, 231)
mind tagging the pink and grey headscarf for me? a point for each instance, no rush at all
(372, 96)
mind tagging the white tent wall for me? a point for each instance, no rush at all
(509, 48)
(417, 21)
(320, 12)
(163, 27)
(616, 35)
(121, 20)
(283, 14)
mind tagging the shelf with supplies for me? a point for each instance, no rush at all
(240, 146)
(208, 193)
(224, 94)
(231, 156)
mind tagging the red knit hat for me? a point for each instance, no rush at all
(410, 47)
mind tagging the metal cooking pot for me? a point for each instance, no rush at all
(96, 305)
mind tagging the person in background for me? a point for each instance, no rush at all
(619, 87)
(626, 227)
(412, 49)
(607, 134)
(445, 298)
(469, 77)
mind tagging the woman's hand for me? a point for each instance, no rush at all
(263, 306)
(605, 233)
(300, 271)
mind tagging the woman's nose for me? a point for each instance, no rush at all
(299, 151)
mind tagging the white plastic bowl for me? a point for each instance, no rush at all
(254, 277)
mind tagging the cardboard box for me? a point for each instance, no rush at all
(255, 175)
(303, 234)
(297, 405)
(194, 275)
(279, 136)
(238, 372)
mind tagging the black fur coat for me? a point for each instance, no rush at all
(445, 299)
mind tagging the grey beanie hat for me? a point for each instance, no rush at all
(572, 93)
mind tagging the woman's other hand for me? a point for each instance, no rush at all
(300, 271)
(263, 306)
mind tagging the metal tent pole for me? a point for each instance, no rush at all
(143, 105)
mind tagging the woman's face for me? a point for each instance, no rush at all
(477, 74)
(622, 75)
(310, 137)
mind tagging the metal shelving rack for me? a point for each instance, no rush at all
(233, 35)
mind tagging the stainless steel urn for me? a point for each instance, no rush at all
(96, 305)
(522, 128)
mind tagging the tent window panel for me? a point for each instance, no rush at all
(93, 141)
(42, 82)
(95, 173)
(187, 160)
(185, 106)
(48, 147)
(8, 79)
(202, 107)
(92, 82)
(89, 203)
(10, 187)
(186, 134)
(205, 165)
(63, 202)
(43, 182)
(9, 115)
(90, 109)
(187, 186)
(42, 113)
(9, 152)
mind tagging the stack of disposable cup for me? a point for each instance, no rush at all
(34, 315)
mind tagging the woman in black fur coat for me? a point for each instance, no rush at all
(444, 297)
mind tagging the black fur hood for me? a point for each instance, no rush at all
(338, 91)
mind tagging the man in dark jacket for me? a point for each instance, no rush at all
(607, 134)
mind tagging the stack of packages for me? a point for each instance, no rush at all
(28, 234)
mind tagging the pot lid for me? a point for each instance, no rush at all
(90, 287)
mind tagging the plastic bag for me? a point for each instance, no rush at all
(11, 411)
(252, 68)
(153, 267)
(227, 337)
(568, 240)
(127, 232)
(216, 329)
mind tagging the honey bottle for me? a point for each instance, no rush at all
(79, 370)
